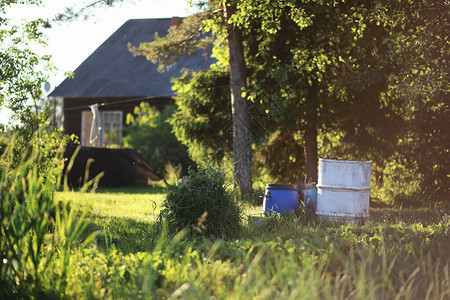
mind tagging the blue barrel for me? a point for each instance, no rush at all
(309, 192)
(281, 198)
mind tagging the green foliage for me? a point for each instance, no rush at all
(187, 36)
(41, 138)
(21, 75)
(202, 203)
(282, 157)
(149, 132)
(370, 76)
(26, 204)
(406, 138)
(422, 85)
(203, 120)
(399, 254)
(328, 75)
(70, 228)
(27, 222)
(399, 185)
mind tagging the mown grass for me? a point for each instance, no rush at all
(399, 254)
(138, 203)
(124, 217)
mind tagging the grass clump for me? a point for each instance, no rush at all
(202, 203)
(36, 234)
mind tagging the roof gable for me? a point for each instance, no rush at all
(112, 71)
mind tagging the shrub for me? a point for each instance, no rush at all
(201, 202)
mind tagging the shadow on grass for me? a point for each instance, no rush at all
(425, 216)
(126, 234)
(150, 190)
(131, 190)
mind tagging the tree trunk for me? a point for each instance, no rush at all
(311, 134)
(311, 153)
(242, 139)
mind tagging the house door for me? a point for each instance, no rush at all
(110, 134)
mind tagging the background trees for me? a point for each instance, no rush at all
(420, 46)
(151, 134)
(203, 119)
(352, 80)
(345, 79)
(21, 68)
(22, 75)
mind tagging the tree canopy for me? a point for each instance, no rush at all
(347, 79)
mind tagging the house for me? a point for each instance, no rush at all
(117, 81)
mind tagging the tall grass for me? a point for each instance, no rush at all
(31, 224)
(25, 208)
(374, 261)
(292, 257)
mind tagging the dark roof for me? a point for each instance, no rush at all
(112, 71)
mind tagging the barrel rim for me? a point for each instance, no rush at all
(342, 187)
(279, 186)
(345, 161)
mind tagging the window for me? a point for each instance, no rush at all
(111, 128)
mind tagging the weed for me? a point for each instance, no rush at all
(202, 202)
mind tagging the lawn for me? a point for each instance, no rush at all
(137, 203)
(398, 254)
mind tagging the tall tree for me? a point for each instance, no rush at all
(298, 52)
(242, 136)
(167, 50)
(373, 72)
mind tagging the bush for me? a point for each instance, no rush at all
(201, 202)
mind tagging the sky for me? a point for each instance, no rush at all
(71, 42)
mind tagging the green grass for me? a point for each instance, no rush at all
(398, 254)
(124, 217)
(137, 203)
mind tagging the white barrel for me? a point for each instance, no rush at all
(343, 189)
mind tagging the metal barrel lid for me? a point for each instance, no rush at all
(276, 186)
